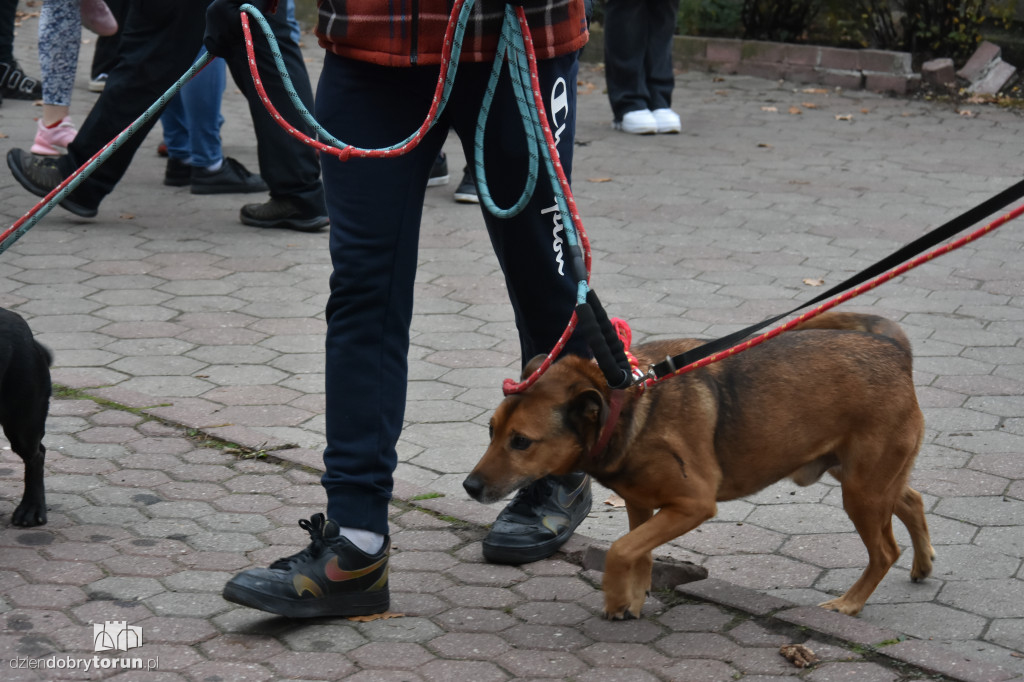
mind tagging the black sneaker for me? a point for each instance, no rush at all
(282, 213)
(14, 84)
(231, 178)
(438, 172)
(465, 193)
(178, 173)
(331, 577)
(538, 520)
(39, 175)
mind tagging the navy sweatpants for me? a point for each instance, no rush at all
(375, 206)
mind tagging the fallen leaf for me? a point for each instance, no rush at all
(795, 111)
(764, 145)
(127, 216)
(723, 93)
(814, 91)
(615, 501)
(769, 109)
(813, 282)
(717, 79)
(798, 655)
(3, 136)
(376, 616)
(844, 117)
(966, 113)
(599, 179)
(809, 105)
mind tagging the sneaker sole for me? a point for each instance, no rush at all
(496, 553)
(464, 198)
(308, 225)
(438, 181)
(341, 605)
(67, 204)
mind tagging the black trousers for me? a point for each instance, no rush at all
(375, 206)
(158, 44)
(638, 54)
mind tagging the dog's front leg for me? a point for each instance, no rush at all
(627, 568)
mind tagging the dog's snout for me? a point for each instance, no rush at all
(474, 485)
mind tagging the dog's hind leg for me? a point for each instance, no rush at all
(32, 510)
(910, 510)
(872, 517)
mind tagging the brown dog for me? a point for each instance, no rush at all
(835, 395)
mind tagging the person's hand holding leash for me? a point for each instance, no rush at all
(224, 23)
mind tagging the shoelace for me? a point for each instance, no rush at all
(315, 527)
(528, 498)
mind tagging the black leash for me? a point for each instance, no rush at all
(919, 245)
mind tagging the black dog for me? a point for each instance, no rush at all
(24, 402)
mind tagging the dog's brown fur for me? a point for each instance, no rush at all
(835, 395)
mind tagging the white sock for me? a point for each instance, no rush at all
(366, 540)
(215, 167)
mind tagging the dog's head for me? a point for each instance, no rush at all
(544, 430)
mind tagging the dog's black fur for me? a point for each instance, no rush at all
(24, 403)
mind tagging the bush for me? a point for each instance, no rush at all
(779, 20)
(931, 28)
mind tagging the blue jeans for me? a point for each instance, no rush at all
(192, 119)
(375, 206)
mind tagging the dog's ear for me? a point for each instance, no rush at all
(586, 413)
(532, 366)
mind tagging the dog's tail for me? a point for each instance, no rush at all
(871, 324)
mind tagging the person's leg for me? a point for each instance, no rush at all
(13, 81)
(60, 31)
(107, 49)
(179, 146)
(159, 43)
(201, 102)
(8, 11)
(626, 32)
(375, 207)
(290, 168)
(661, 77)
(533, 252)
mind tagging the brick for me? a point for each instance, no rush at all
(839, 58)
(803, 55)
(724, 51)
(980, 60)
(939, 72)
(886, 61)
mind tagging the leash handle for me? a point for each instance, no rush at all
(608, 353)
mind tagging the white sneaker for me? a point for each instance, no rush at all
(667, 121)
(640, 122)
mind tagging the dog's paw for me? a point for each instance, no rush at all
(27, 515)
(841, 605)
(620, 614)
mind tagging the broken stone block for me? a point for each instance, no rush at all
(994, 79)
(980, 61)
(939, 72)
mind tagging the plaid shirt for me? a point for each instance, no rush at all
(411, 32)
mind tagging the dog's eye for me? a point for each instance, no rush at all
(490, 431)
(520, 442)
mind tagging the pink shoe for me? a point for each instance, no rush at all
(54, 141)
(97, 18)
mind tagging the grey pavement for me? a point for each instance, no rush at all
(185, 438)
